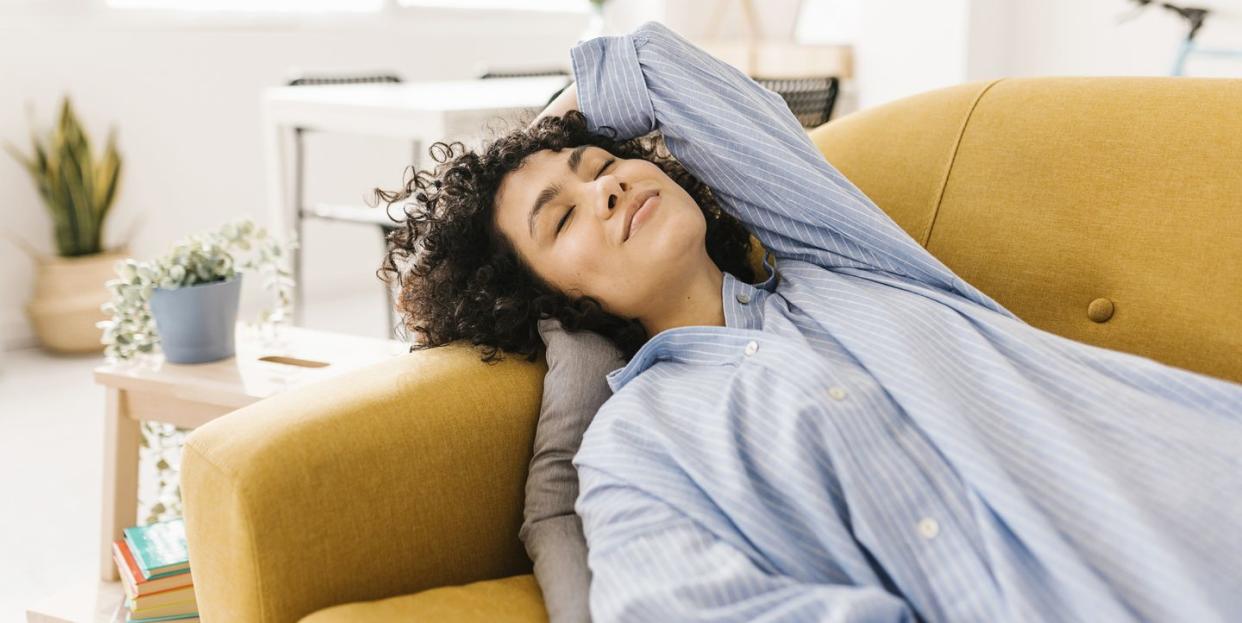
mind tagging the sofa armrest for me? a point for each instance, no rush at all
(388, 480)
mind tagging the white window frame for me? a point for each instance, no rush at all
(576, 7)
(212, 8)
(430, 16)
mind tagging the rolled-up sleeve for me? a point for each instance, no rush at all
(611, 86)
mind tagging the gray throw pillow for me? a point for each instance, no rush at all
(573, 390)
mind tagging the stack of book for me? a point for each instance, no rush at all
(154, 565)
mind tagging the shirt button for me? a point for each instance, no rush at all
(837, 393)
(743, 298)
(751, 347)
(928, 528)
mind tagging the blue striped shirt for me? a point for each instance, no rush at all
(870, 438)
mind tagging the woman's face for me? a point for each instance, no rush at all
(571, 215)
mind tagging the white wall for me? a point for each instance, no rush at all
(185, 99)
(1073, 37)
(990, 27)
(696, 19)
(908, 46)
(185, 94)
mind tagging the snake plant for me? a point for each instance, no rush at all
(77, 189)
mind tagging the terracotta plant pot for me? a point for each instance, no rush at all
(67, 295)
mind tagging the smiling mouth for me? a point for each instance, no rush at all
(633, 210)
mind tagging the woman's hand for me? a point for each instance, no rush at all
(565, 102)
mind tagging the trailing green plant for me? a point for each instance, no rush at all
(236, 247)
(200, 258)
(77, 189)
(160, 445)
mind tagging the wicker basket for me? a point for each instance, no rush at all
(67, 296)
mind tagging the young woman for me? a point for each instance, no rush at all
(863, 437)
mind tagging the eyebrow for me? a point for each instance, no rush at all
(550, 193)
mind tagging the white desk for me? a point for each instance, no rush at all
(419, 111)
(423, 112)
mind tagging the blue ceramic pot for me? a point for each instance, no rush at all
(196, 322)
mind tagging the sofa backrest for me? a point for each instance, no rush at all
(1105, 210)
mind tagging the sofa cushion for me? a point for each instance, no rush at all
(573, 390)
(514, 598)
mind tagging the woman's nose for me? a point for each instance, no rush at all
(611, 191)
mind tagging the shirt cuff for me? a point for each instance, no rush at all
(611, 89)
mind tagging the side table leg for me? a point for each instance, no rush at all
(120, 477)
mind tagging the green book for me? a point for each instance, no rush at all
(159, 548)
(174, 617)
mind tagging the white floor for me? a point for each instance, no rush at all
(51, 427)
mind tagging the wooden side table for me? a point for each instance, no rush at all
(150, 389)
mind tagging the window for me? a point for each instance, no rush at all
(564, 6)
(348, 6)
(253, 6)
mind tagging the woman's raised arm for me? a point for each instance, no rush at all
(565, 102)
(743, 141)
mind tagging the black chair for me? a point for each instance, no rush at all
(343, 79)
(347, 214)
(525, 72)
(810, 99)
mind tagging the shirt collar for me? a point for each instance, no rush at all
(743, 311)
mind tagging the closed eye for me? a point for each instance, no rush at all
(607, 164)
(561, 224)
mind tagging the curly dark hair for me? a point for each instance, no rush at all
(459, 277)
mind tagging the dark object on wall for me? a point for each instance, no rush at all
(1194, 16)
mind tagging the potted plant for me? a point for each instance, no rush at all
(186, 301)
(185, 304)
(78, 191)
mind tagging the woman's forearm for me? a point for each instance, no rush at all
(565, 102)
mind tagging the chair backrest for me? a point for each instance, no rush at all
(1105, 210)
(322, 79)
(810, 99)
(524, 72)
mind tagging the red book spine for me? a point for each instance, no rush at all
(131, 575)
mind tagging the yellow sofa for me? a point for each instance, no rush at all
(1106, 210)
